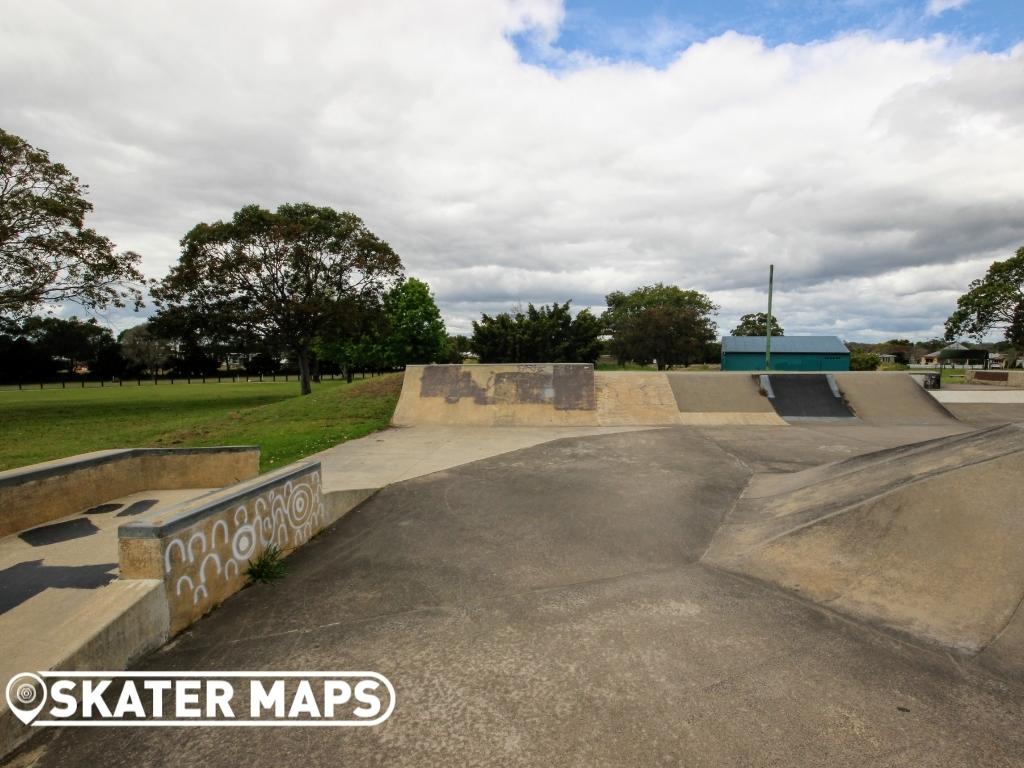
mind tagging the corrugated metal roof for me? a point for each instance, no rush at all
(822, 345)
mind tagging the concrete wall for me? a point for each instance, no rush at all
(38, 493)
(552, 394)
(574, 395)
(996, 378)
(201, 549)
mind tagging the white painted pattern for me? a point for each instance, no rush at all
(286, 515)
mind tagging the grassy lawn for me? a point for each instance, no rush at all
(39, 425)
(949, 375)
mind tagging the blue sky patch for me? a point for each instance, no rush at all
(653, 32)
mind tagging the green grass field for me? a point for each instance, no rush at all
(39, 425)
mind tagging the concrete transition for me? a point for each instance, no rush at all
(576, 395)
(926, 539)
(890, 398)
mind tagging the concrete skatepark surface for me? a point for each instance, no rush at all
(548, 606)
(894, 536)
(549, 395)
(62, 605)
(553, 602)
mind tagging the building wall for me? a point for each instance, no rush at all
(785, 361)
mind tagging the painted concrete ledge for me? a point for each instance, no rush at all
(43, 492)
(200, 549)
(177, 565)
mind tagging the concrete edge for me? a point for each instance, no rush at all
(189, 512)
(340, 503)
(43, 470)
(731, 418)
(141, 626)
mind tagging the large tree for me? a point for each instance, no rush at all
(545, 334)
(415, 330)
(660, 323)
(74, 342)
(291, 273)
(993, 302)
(46, 253)
(144, 349)
(756, 324)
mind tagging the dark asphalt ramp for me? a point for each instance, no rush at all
(806, 396)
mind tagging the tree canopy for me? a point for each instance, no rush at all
(416, 332)
(38, 348)
(291, 274)
(756, 324)
(993, 302)
(46, 253)
(864, 360)
(545, 334)
(661, 323)
(143, 348)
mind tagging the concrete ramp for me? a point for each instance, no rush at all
(638, 398)
(498, 395)
(721, 399)
(805, 396)
(926, 539)
(891, 398)
(573, 394)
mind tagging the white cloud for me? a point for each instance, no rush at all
(856, 165)
(937, 7)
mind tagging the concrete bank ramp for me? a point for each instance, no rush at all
(574, 395)
(926, 539)
(498, 395)
(721, 398)
(890, 398)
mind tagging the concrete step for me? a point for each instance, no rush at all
(98, 629)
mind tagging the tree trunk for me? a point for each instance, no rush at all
(303, 357)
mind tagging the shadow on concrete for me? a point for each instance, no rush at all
(58, 532)
(24, 581)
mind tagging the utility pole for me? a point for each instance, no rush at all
(768, 328)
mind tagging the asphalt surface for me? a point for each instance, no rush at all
(548, 607)
(806, 396)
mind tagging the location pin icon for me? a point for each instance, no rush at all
(26, 696)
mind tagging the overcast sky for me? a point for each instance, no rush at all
(517, 152)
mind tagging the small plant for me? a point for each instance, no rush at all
(268, 566)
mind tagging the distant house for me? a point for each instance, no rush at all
(946, 353)
(957, 354)
(789, 353)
